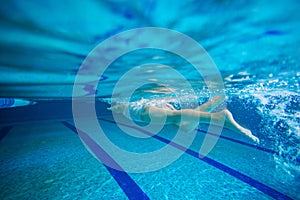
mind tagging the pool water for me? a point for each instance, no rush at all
(255, 46)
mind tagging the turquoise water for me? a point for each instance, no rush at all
(255, 46)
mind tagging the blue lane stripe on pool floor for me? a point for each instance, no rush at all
(230, 139)
(240, 142)
(246, 179)
(4, 131)
(127, 184)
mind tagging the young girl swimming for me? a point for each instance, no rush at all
(144, 111)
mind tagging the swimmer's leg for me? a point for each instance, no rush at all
(211, 104)
(232, 124)
(193, 116)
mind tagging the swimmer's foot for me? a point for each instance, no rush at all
(233, 125)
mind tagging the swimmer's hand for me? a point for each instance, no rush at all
(119, 108)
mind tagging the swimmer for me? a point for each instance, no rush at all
(146, 112)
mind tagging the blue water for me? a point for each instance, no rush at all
(255, 46)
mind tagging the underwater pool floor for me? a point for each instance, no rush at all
(47, 160)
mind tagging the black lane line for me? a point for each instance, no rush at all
(239, 142)
(4, 131)
(127, 184)
(246, 179)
